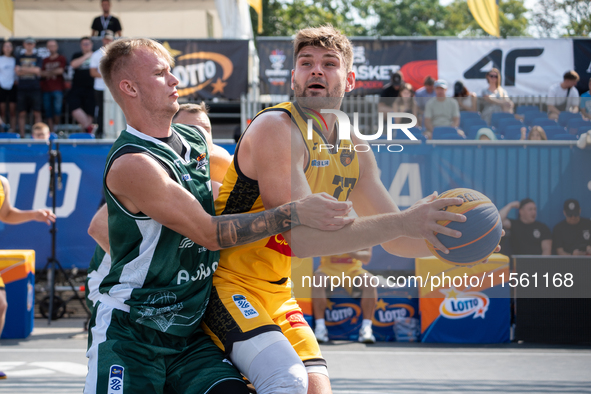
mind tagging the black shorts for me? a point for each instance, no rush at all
(81, 98)
(8, 95)
(28, 100)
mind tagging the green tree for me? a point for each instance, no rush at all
(549, 14)
(511, 17)
(285, 18)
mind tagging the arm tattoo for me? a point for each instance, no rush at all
(240, 229)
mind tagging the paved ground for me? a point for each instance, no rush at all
(52, 360)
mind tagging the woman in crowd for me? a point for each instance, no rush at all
(466, 99)
(537, 133)
(7, 85)
(405, 103)
(495, 98)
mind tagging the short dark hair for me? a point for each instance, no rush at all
(192, 108)
(429, 81)
(571, 75)
(85, 38)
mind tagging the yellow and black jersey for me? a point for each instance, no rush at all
(333, 171)
(2, 194)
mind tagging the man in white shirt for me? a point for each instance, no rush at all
(563, 96)
(99, 84)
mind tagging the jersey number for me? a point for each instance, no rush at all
(342, 184)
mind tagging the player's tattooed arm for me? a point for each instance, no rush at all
(240, 229)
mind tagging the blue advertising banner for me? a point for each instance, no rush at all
(548, 173)
(26, 167)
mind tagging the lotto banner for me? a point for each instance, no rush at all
(455, 313)
(205, 68)
(343, 315)
(528, 67)
(373, 62)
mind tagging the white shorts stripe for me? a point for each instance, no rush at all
(99, 335)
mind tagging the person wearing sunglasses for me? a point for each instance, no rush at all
(495, 98)
(572, 236)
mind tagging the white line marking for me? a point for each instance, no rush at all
(30, 372)
(447, 354)
(5, 350)
(69, 368)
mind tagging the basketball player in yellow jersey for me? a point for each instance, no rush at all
(12, 215)
(251, 314)
(347, 266)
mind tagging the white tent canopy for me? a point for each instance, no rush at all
(139, 18)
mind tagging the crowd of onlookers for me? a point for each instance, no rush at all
(32, 87)
(489, 114)
(526, 235)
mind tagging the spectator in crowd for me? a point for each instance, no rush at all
(424, 93)
(495, 98)
(390, 91)
(572, 236)
(28, 70)
(99, 84)
(528, 236)
(441, 110)
(537, 133)
(40, 131)
(52, 84)
(8, 85)
(486, 134)
(466, 99)
(349, 265)
(405, 103)
(585, 105)
(563, 96)
(81, 95)
(106, 22)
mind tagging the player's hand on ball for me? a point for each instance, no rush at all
(324, 212)
(420, 220)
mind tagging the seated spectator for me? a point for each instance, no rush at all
(563, 96)
(495, 98)
(423, 95)
(391, 90)
(40, 131)
(536, 133)
(585, 104)
(527, 236)
(572, 236)
(405, 103)
(441, 110)
(466, 99)
(486, 134)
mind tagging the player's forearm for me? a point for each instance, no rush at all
(16, 216)
(365, 232)
(407, 247)
(240, 229)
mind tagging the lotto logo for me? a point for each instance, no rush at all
(116, 379)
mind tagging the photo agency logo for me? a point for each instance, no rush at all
(315, 119)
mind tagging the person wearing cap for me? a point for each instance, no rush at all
(441, 111)
(572, 236)
(105, 22)
(527, 235)
(486, 134)
(390, 91)
(99, 84)
(422, 95)
(28, 70)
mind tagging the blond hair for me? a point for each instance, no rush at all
(326, 37)
(495, 70)
(118, 54)
(540, 130)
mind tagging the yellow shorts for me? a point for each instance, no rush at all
(237, 312)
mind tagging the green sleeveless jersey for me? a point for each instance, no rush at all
(162, 278)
